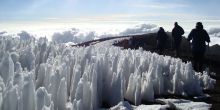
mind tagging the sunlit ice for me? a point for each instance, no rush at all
(65, 54)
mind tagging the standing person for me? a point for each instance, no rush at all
(133, 43)
(177, 33)
(198, 36)
(161, 40)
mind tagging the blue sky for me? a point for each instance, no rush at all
(109, 9)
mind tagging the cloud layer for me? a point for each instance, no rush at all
(214, 32)
(140, 29)
(25, 35)
(75, 36)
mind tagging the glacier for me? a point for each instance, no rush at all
(36, 74)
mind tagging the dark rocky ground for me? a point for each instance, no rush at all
(148, 43)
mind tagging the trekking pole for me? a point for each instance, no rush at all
(171, 43)
(208, 62)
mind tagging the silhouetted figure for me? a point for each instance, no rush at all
(198, 36)
(161, 40)
(177, 33)
(133, 42)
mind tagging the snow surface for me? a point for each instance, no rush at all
(181, 104)
(124, 105)
(174, 104)
(37, 74)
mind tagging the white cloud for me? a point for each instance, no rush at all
(214, 31)
(3, 32)
(214, 34)
(76, 36)
(52, 18)
(140, 29)
(73, 35)
(64, 37)
(25, 35)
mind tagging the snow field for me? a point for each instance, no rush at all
(40, 75)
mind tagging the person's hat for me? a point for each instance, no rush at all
(176, 23)
(199, 25)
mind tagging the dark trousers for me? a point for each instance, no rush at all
(177, 43)
(177, 48)
(160, 48)
(198, 58)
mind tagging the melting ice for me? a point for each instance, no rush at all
(40, 75)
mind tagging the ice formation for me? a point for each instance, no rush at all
(37, 74)
(182, 104)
